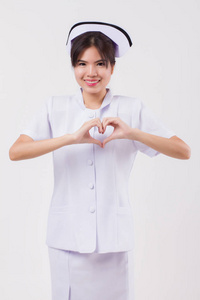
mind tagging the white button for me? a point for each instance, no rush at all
(91, 115)
(90, 162)
(92, 209)
(91, 186)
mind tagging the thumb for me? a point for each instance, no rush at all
(97, 142)
(108, 139)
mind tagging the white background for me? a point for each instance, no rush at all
(162, 69)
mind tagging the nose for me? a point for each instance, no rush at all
(92, 72)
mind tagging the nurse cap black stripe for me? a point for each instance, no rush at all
(118, 35)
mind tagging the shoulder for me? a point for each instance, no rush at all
(59, 102)
(128, 104)
(126, 100)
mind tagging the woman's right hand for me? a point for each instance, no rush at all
(25, 147)
(82, 135)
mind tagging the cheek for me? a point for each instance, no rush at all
(108, 75)
(78, 73)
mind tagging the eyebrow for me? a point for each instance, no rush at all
(100, 60)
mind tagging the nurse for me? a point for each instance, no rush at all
(94, 137)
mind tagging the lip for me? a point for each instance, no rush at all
(92, 82)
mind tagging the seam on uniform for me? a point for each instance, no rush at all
(69, 291)
(127, 276)
(116, 188)
(95, 185)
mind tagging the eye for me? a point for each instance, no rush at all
(81, 64)
(101, 64)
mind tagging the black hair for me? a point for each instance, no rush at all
(104, 45)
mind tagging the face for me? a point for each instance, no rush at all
(91, 72)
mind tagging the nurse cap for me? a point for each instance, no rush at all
(118, 35)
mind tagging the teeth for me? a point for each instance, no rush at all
(92, 81)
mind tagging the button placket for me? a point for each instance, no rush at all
(92, 209)
(91, 172)
(91, 114)
(91, 185)
(90, 162)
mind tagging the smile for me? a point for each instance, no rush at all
(91, 82)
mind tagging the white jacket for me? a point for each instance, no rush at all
(90, 208)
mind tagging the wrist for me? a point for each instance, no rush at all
(69, 139)
(134, 134)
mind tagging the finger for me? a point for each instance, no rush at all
(104, 123)
(109, 121)
(97, 142)
(108, 139)
(100, 127)
(97, 122)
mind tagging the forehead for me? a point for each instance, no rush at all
(90, 53)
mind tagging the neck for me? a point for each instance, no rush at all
(93, 101)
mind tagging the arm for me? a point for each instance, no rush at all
(173, 146)
(25, 147)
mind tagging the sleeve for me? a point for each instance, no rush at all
(150, 123)
(39, 127)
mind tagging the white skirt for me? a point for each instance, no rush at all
(91, 276)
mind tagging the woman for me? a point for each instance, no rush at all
(94, 137)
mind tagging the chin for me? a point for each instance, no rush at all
(93, 90)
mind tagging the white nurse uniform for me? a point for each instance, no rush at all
(90, 216)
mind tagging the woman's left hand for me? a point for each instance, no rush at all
(174, 146)
(121, 129)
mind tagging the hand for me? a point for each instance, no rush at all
(121, 129)
(83, 136)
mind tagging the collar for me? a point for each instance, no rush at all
(106, 101)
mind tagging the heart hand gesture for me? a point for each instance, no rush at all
(121, 131)
(82, 135)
